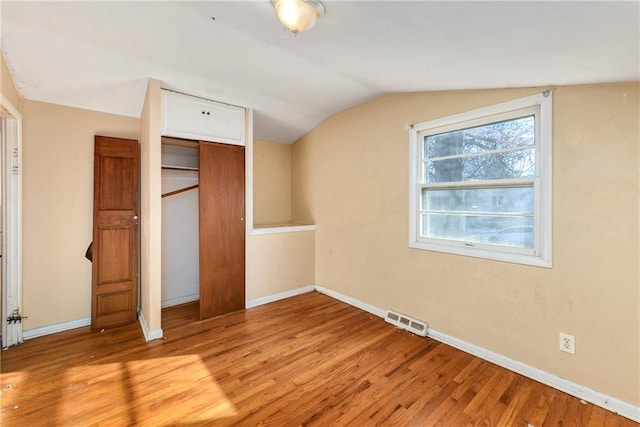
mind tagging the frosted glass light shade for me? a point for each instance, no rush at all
(299, 15)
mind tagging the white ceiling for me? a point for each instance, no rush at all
(100, 55)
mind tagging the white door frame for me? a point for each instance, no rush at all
(11, 170)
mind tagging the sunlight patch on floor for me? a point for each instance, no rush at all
(88, 391)
(178, 389)
(11, 385)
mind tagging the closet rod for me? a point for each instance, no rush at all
(182, 190)
(179, 168)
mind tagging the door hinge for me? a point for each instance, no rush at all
(15, 317)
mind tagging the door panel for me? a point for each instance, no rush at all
(112, 303)
(114, 255)
(222, 228)
(117, 171)
(115, 232)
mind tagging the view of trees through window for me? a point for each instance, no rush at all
(500, 158)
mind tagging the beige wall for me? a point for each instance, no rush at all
(7, 84)
(271, 182)
(279, 263)
(58, 207)
(350, 176)
(151, 210)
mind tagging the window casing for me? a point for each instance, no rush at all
(480, 182)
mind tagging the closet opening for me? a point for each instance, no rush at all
(203, 228)
(180, 222)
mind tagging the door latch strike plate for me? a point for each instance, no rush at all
(15, 317)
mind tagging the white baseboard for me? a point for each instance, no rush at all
(282, 295)
(149, 335)
(179, 300)
(73, 324)
(612, 404)
(58, 327)
(352, 301)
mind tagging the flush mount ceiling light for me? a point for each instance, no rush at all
(299, 15)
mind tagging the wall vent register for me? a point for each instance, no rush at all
(402, 321)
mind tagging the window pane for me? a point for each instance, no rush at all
(512, 164)
(503, 135)
(502, 199)
(481, 182)
(498, 230)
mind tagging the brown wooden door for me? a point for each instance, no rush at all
(115, 232)
(222, 229)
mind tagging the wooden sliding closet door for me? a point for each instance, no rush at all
(222, 228)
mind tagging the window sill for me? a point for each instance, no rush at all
(280, 228)
(533, 260)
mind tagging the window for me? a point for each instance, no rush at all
(480, 182)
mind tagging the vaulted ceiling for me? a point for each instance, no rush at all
(100, 55)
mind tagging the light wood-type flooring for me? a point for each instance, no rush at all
(306, 360)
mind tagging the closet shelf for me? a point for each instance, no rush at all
(179, 168)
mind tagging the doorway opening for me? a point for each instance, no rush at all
(11, 224)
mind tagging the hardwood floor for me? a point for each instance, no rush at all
(306, 360)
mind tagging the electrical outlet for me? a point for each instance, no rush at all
(567, 343)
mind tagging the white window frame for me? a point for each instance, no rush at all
(540, 255)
